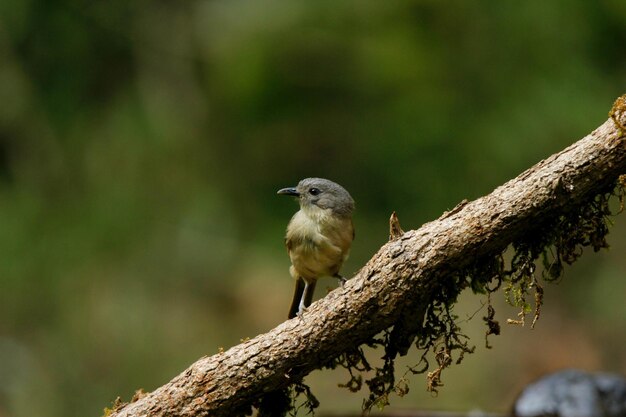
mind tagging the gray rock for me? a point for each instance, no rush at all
(573, 393)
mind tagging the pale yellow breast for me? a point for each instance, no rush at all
(318, 243)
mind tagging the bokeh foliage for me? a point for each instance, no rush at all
(141, 145)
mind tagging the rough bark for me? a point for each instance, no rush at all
(405, 271)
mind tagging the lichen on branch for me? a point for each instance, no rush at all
(516, 239)
(541, 255)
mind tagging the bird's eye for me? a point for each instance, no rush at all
(314, 191)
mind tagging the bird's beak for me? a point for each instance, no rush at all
(289, 191)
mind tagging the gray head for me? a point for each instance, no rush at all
(322, 193)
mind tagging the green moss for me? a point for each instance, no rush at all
(617, 111)
(117, 404)
(541, 255)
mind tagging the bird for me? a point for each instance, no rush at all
(318, 237)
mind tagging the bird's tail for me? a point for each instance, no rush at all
(297, 295)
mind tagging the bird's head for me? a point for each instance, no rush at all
(321, 193)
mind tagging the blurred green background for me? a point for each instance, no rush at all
(142, 144)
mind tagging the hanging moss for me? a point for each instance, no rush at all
(550, 246)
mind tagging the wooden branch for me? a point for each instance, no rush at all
(405, 271)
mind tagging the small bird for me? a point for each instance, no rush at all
(318, 236)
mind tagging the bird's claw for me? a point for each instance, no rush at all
(342, 280)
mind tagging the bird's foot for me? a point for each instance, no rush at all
(341, 280)
(301, 311)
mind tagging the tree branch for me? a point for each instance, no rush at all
(398, 282)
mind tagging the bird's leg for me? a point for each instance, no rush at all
(297, 298)
(301, 308)
(341, 279)
(307, 295)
